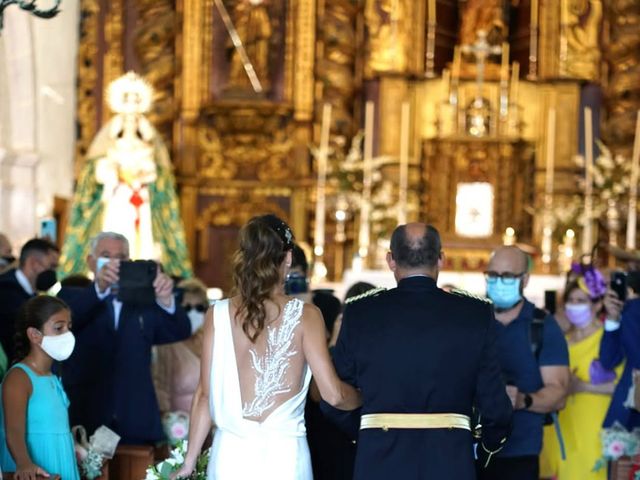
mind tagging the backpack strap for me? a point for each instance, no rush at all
(536, 332)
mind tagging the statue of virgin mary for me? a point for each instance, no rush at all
(126, 186)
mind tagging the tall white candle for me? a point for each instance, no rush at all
(550, 154)
(367, 177)
(432, 11)
(633, 189)
(403, 182)
(588, 182)
(446, 81)
(515, 74)
(322, 181)
(504, 67)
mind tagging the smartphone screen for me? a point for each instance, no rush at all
(49, 229)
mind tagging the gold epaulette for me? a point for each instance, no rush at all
(464, 293)
(368, 293)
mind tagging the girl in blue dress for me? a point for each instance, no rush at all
(35, 438)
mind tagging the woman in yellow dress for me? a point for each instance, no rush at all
(590, 392)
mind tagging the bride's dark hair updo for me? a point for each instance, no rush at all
(264, 243)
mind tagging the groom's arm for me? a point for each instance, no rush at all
(344, 361)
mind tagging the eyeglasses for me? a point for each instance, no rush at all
(198, 308)
(508, 278)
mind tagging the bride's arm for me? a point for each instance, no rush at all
(200, 422)
(314, 343)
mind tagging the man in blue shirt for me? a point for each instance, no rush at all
(537, 382)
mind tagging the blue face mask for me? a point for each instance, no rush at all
(503, 295)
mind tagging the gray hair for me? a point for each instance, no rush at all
(107, 235)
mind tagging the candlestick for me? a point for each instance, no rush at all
(551, 143)
(319, 269)
(367, 174)
(633, 189)
(404, 164)
(588, 182)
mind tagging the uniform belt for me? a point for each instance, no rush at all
(385, 421)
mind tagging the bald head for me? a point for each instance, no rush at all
(509, 258)
(415, 246)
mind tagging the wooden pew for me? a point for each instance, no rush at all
(130, 462)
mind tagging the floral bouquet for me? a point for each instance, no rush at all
(617, 442)
(164, 469)
(176, 426)
(92, 454)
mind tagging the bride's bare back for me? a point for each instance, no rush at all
(271, 370)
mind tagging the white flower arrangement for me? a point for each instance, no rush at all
(164, 469)
(616, 443)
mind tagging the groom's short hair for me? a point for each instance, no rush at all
(420, 252)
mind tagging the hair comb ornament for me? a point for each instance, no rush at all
(281, 228)
(590, 280)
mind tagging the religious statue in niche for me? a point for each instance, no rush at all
(389, 35)
(253, 27)
(126, 186)
(581, 22)
(486, 16)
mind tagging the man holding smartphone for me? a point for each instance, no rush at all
(620, 342)
(108, 376)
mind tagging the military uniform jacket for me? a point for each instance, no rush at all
(418, 349)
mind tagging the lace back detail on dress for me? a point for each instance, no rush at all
(271, 368)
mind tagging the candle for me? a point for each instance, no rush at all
(633, 189)
(404, 164)
(515, 74)
(504, 68)
(367, 174)
(588, 182)
(446, 80)
(322, 180)
(432, 11)
(455, 69)
(551, 143)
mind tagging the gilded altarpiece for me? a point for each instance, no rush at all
(243, 143)
(504, 166)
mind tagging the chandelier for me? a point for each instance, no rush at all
(30, 6)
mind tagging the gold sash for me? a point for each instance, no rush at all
(385, 421)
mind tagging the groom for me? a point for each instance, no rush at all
(423, 359)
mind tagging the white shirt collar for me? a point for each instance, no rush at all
(24, 282)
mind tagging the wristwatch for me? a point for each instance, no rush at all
(528, 401)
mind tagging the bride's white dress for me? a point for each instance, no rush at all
(257, 401)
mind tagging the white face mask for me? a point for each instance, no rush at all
(196, 318)
(59, 347)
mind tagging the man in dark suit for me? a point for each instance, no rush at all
(422, 358)
(36, 271)
(108, 376)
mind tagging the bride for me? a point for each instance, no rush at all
(260, 350)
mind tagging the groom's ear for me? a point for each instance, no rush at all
(391, 262)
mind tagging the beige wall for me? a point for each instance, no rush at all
(37, 108)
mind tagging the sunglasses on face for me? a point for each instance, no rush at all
(198, 308)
